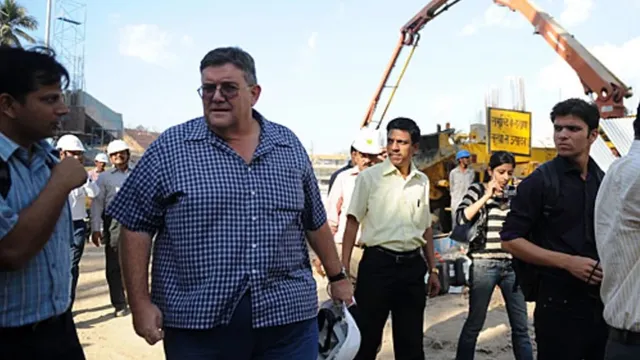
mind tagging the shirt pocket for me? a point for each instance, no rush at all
(418, 203)
(284, 191)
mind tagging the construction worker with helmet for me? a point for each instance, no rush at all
(101, 160)
(368, 146)
(70, 146)
(104, 229)
(460, 178)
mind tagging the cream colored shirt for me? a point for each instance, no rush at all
(339, 200)
(393, 211)
(617, 228)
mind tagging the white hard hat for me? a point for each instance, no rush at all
(368, 141)
(101, 157)
(117, 146)
(70, 143)
(339, 335)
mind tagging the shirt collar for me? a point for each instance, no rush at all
(8, 147)
(270, 135)
(568, 166)
(389, 169)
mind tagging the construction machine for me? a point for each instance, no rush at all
(437, 150)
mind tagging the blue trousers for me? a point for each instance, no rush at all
(239, 341)
(77, 248)
(486, 274)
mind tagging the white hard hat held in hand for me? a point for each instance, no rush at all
(339, 336)
(70, 143)
(117, 146)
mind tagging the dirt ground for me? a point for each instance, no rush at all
(107, 338)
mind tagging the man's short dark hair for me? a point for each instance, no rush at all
(405, 124)
(636, 124)
(579, 108)
(24, 71)
(235, 56)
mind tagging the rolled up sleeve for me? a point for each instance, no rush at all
(360, 198)
(137, 206)
(8, 219)
(526, 208)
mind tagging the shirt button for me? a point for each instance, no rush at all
(254, 271)
(249, 169)
(253, 193)
(254, 245)
(254, 218)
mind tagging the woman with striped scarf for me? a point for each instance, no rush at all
(491, 266)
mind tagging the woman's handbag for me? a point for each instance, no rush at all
(467, 232)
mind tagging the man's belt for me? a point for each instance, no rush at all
(624, 336)
(399, 256)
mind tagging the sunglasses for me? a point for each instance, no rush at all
(227, 89)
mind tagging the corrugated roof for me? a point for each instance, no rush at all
(601, 154)
(620, 132)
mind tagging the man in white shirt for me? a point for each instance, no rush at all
(617, 228)
(71, 146)
(368, 147)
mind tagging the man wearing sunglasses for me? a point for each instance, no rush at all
(231, 196)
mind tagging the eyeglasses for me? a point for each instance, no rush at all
(227, 89)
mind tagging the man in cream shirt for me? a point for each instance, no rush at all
(391, 202)
(368, 149)
(617, 228)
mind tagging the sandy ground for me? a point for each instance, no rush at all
(105, 337)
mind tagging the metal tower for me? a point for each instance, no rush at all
(69, 19)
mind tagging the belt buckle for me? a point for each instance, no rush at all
(398, 258)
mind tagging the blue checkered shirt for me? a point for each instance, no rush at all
(225, 226)
(41, 289)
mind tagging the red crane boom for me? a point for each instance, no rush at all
(599, 82)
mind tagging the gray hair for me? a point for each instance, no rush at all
(235, 56)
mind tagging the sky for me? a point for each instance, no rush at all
(320, 61)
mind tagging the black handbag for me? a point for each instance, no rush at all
(465, 233)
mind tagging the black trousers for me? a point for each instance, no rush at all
(568, 323)
(54, 338)
(623, 346)
(391, 284)
(111, 232)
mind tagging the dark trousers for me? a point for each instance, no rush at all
(111, 232)
(390, 284)
(54, 338)
(485, 275)
(623, 345)
(77, 248)
(568, 322)
(239, 341)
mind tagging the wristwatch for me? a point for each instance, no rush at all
(435, 271)
(342, 275)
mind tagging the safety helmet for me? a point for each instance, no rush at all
(117, 146)
(339, 336)
(368, 141)
(70, 143)
(462, 154)
(101, 157)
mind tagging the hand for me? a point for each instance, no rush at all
(147, 322)
(492, 188)
(583, 267)
(96, 238)
(433, 285)
(69, 174)
(342, 291)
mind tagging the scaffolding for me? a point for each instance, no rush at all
(68, 41)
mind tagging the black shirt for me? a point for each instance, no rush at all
(569, 228)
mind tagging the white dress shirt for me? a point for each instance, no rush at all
(339, 200)
(617, 228)
(77, 199)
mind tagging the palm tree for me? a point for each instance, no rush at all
(14, 20)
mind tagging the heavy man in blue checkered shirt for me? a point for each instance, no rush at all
(36, 230)
(231, 197)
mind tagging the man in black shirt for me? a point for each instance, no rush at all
(559, 239)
